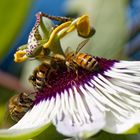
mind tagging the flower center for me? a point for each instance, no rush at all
(64, 78)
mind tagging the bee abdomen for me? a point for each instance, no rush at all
(86, 61)
(40, 80)
(40, 76)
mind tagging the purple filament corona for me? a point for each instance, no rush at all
(64, 79)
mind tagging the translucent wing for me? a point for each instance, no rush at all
(68, 50)
(81, 45)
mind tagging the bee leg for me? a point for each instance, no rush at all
(48, 85)
(48, 77)
(75, 68)
(76, 72)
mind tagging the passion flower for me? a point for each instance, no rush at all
(82, 103)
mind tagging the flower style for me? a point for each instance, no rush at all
(82, 105)
(44, 36)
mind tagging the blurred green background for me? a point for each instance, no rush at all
(16, 20)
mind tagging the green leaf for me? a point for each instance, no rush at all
(50, 134)
(107, 136)
(12, 15)
(134, 130)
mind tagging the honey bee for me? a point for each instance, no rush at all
(19, 104)
(57, 62)
(76, 59)
(41, 73)
(38, 78)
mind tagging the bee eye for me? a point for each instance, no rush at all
(32, 78)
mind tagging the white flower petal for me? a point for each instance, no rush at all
(117, 126)
(80, 115)
(34, 122)
(124, 79)
(67, 129)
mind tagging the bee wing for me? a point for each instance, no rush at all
(68, 50)
(81, 45)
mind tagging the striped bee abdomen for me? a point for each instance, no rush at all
(39, 76)
(86, 61)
